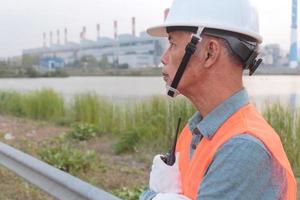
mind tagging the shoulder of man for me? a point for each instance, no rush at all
(241, 166)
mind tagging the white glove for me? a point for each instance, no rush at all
(165, 178)
(170, 196)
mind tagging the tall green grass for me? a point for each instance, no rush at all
(86, 108)
(12, 103)
(286, 122)
(43, 104)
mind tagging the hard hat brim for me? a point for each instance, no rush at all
(161, 30)
(157, 31)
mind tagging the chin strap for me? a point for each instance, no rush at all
(189, 51)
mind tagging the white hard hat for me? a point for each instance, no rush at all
(237, 16)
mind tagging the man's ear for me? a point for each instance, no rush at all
(212, 52)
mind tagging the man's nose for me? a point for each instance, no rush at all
(164, 58)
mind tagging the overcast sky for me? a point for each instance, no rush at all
(22, 22)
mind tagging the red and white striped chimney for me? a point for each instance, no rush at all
(166, 12)
(98, 31)
(115, 29)
(58, 37)
(66, 35)
(133, 25)
(44, 40)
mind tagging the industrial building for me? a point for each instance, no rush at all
(135, 51)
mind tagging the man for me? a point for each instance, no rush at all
(227, 150)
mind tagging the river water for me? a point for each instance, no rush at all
(261, 89)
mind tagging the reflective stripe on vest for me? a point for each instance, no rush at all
(245, 120)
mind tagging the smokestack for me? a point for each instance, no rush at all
(166, 12)
(293, 49)
(58, 37)
(44, 40)
(84, 33)
(133, 26)
(98, 31)
(66, 35)
(115, 29)
(50, 38)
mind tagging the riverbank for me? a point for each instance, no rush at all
(30, 72)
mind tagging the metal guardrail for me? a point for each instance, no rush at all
(53, 181)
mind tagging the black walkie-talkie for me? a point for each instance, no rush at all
(170, 157)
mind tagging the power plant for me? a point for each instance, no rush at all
(135, 51)
(293, 50)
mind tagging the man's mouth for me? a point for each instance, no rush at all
(165, 77)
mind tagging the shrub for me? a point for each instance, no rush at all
(129, 194)
(128, 142)
(83, 131)
(66, 158)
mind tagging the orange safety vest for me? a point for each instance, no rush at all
(245, 120)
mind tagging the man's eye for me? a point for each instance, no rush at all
(172, 45)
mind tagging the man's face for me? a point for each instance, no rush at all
(172, 58)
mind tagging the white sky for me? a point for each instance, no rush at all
(22, 22)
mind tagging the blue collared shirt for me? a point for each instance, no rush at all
(242, 167)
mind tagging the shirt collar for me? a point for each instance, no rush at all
(208, 125)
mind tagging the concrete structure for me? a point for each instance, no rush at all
(274, 56)
(293, 50)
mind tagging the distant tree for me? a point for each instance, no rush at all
(30, 60)
(31, 72)
(3, 63)
(104, 63)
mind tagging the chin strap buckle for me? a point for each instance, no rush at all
(252, 63)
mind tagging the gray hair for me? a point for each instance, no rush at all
(233, 57)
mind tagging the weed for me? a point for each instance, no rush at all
(66, 158)
(129, 194)
(82, 131)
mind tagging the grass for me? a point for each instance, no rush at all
(44, 104)
(86, 108)
(286, 122)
